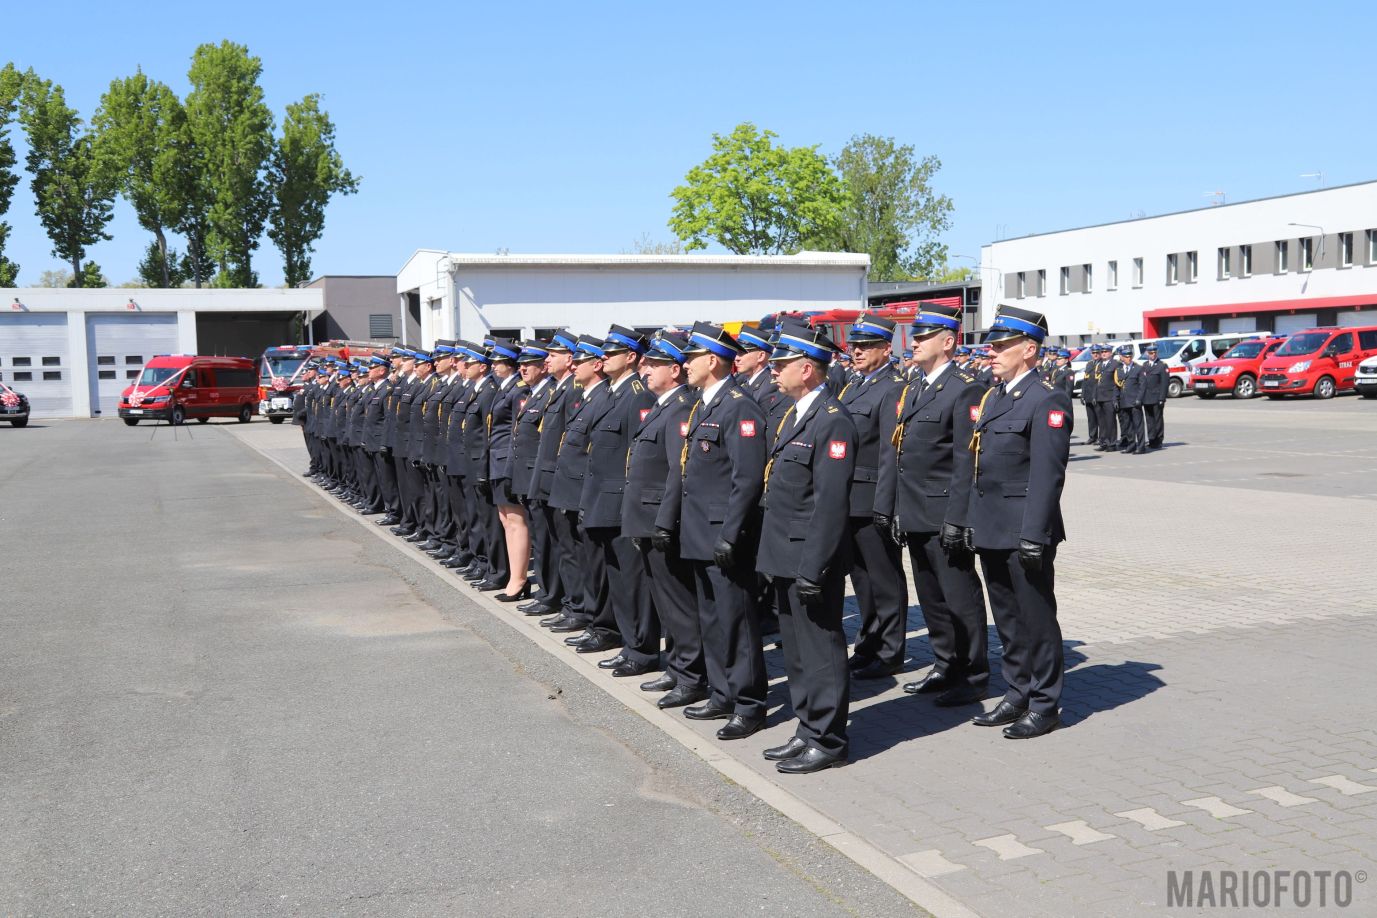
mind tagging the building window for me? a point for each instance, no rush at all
(23, 377)
(1112, 276)
(1345, 250)
(1022, 284)
(1245, 261)
(1065, 281)
(1173, 269)
(105, 361)
(131, 374)
(22, 362)
(1283, 256)
(1086, 270)
(1372, 246)
(107, 374)
(131, 358)
(52, 375)
(1137, 272)
(52, 361)
(1042, 281)
(1192, 266)
(1225, 263)
(1307, 254)
(380, 326)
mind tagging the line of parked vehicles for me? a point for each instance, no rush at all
(1319, 362)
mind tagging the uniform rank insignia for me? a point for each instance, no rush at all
(645, 412)
(975, 412)
(836, 449)
(748, 428)
(1056, 419)
(683, 429)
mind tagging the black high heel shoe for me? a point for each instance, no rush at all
(523, 593)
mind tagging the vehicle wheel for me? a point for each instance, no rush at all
(203, 420)
(1174, 388)
(245, 413)
(19, 422)
(1206, 394)
(178, 414)
(1246, 387)
(276, 420)
(1324, 388)
(130, 422)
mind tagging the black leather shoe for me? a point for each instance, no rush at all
(1006, 712)
(523, 593)
(612, 662)
(537, 610)
(532, 604)
(599, 644)
(935, 681)
(809, 761)
(959, 695)
(787, 751)
(476, 574)
(706, 711)
(452, 563)
(1032, 724)
(430, 545)
(389, 520)
(859, 662)
(416, 537)
(553, 620)
(401, 531)
(634, 669)
(740, 727)
(488, 586)
(681, 695)
(569, 626)
(876, 670)
(662, 684)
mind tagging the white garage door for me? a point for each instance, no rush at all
(1352, 317)
(1246, 324)
(33, 359)
(118, 346)
(1182, 325)
(1289, 325)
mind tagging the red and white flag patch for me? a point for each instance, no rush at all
(836, 449)
(683, 428)
(748, 428)
(1056, 419)
(975, 412)
(644, 413)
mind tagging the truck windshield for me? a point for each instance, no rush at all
(281, 367)
(156, 376)
(1244, 349)
(1307, 343)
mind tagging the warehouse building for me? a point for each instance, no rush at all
(1275, 264)
(468, 296)
(72, 351)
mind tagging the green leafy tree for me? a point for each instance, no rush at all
(232, 130)
(91, 276)
(305, 172)
(11, 84)
(161, 267)
(891, 211)
(142, 140)
(75, 197)
(58, 277)
(754, 197)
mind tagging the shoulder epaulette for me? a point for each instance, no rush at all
(896, 378)
(832, 409)
(736, 393)
(1047, 384)
(636, 386)
(964, 376)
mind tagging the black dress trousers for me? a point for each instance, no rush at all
(731, 638)
(815, 660)
(877, 572)
(1024, 605)
(953, 605)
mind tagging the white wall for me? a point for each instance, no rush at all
(1113, 313)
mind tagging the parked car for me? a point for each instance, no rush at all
(1365, 382)
(1182, 351)
(14, 407)
(1236, 372)
(1318, 361)
(176, 387)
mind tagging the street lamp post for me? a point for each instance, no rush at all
(1313, 226)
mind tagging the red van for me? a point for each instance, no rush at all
(1318, 361)
(176, 387)
(1236, 371)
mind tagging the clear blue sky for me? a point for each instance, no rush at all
(558, 127)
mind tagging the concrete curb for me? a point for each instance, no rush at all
(884, 867)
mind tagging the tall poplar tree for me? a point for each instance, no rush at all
(11, 82)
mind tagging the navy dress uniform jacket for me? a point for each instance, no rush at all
(1020, 465)
(1130, 380)
(652, 495)
(871, 404)
(530, 410)
(925, 478)
(375, 416)
(571, 460)
(723, 468)
(476, 445)
(609, 450)
(501, 414)
(552, 423)
(1154, 382)
(807, 498)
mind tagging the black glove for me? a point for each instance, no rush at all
(808, 591)
(1030, 555)
(663, 539)
(723, 553)
(580, 517)
(890, 527)
(638, 543)
(483, 487)
(415, 463)
(952, 538)
(968, 539)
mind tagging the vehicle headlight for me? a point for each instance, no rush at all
(1299, 366)
(1223, 371)
(155, 400)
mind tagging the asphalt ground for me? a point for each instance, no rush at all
(219, 695)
